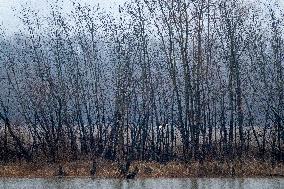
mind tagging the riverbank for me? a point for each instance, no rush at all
(109, 169)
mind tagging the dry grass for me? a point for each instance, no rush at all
(108, 169)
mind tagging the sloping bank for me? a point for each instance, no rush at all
(109, 169)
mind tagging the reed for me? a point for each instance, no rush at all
(174, 169)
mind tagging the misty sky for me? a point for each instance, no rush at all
(10, 22)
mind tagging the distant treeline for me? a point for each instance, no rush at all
(161, 80)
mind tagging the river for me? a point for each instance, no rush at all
(202, 183)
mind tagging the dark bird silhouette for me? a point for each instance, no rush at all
(132, 174)
(233, 171)
(61, 172)
(93, 168)
(124, 168)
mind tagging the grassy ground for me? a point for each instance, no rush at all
(108, 169)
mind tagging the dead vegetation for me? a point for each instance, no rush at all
(173, 169)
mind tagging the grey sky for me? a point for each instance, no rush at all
(10, 22)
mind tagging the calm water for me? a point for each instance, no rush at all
(142, 184)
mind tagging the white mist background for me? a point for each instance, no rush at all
(12, 23)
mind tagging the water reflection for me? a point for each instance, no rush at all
(142, 184)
